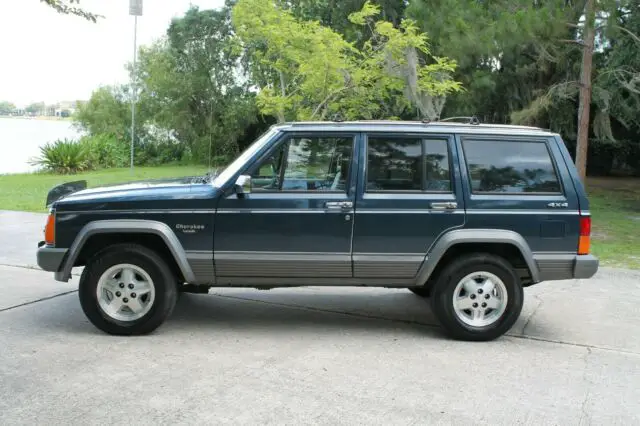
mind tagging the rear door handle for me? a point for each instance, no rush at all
(449, 205)
(339, 205)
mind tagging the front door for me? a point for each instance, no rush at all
(407, 198)
(296, 223)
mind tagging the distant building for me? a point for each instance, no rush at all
(61, 109)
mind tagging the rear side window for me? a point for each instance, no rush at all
(407, 164)
(508, 166)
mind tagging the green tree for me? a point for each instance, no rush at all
(619, 76)
(524, 62)
(35, 108)
(6, 107)
(107, 112)
(71, 7)
(335, 14)
(192, 83)
(308, 71)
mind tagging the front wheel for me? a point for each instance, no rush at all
(127, 289)
(478, 297)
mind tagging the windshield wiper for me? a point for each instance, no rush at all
(207, 178)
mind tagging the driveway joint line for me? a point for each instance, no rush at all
(526, 323)
(43, 299)
(30, 267)
(584, 413)
(364, 316)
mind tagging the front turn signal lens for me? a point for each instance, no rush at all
(584, 242)
(50, 229)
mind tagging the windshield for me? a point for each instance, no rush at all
(235, 166)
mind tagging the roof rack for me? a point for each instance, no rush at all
(337, 117)
(473, 120)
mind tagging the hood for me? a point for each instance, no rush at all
(143, 190)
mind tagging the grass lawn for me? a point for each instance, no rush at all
(615, 211)
(29, 191)
(615, 204)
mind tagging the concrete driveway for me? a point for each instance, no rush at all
(313, 356)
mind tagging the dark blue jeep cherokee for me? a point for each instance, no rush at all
(464, 214)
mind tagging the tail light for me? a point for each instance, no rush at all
(50, 229)
(584, 241)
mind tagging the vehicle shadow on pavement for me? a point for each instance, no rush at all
(251, 310)
(308, 311)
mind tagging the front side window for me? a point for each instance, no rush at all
(306, 164)
(407, 164)
(509, 166)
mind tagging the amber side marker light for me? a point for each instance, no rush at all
(584, 243)
(50, 229)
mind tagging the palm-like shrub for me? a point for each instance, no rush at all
(62, 156)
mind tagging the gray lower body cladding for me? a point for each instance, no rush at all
(566, 266)
(50, 258)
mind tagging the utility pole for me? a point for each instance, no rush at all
(584, 108)
(135, 9)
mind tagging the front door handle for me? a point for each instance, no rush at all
(449, 205)
(339, 205)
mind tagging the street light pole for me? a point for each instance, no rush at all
(135, 9)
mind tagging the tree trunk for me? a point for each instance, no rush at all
(585, 89)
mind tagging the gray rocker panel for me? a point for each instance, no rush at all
(369, 265)
(282, 264)
(201, 263)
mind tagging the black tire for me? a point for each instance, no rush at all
(421, 291)
(450, 276)
(164, 282)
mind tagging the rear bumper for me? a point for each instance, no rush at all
(566, 266)
(51, 258)
(585, 266)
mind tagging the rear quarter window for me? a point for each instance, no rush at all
(510, 166)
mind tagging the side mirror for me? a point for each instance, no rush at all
(243, 185)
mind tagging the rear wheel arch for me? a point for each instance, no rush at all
(507, 244)
(154, 235)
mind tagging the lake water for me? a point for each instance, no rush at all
(21, 139)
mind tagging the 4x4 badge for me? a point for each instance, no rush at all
(558, 205)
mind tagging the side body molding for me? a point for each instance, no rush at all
(484, 236)
(129, 226)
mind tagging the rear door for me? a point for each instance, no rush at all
(516, 183)
(407, 196)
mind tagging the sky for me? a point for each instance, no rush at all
(50, 57)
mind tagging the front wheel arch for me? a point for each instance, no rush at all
(129, 230)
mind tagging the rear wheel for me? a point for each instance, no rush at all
(127, 289)
(477, 297)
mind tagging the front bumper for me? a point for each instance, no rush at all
(50, 258)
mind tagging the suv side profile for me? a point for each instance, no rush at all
(463, 214)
